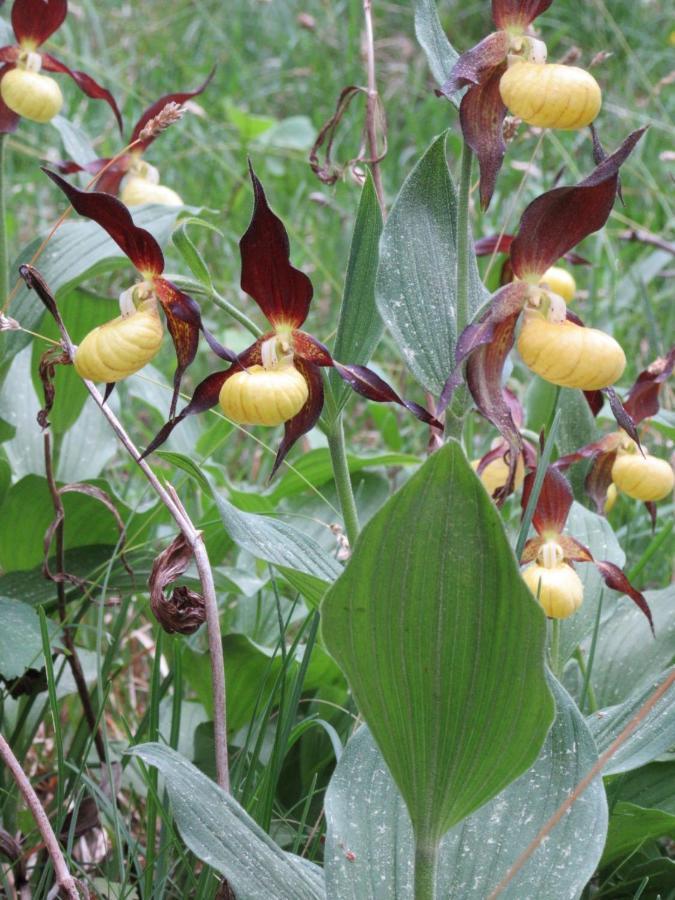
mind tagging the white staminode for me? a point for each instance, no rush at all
(274, 351)
(550, 555)
(127, 305)
(31, 62)
(552, 305)
(536, 50)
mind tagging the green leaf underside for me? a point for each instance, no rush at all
(220, 832)
(440, 53)
(20, 639)
(366, 818)
(416, 279)
(359, 325)
(442, 644)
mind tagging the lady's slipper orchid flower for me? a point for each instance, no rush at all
(508, 69)
(493, 468)
(617, 462)
(121, 347)
(554, 342)
(141, 183)
(550, 576)
(24, 91)
(278, 379)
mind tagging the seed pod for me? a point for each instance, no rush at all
(137, 191)
(496, 472)
(121, 347)
(569, 355)
(559, 589)
(646, 478)
(560, 281)
(551, 95)
(31, 95)
(259, 396)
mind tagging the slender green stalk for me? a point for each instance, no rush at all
(591, 653)
(581, 662)
(4, 261)
(232, 310)
(338, 456)
(463, 234)
(655, 545)
(426, 864)
(555, 647)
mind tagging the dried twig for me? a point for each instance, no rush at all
(646, 237)
(372, 104)
(63, 877)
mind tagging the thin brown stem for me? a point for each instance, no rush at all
(68, 637)
(372, 104)
(639, 717)
(63, 877)
(195, 539)
(646, 237)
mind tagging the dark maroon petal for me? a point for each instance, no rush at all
(366, 383)
(281, 291)
(531, 549)
(85, 83)
(498, 452)
(308, 416)
(642, 401)
(34, 21)
(516, 407)
(595, 400)
(476, 65)
(9, 120)
(607, 444)
(109, 388)
(493, 243)
(554, 503)
(615, 579)
(113, 216)
(184, 320)
(109, 181)
(517, 13)
(573, 550)
(599, 479)
(623, 419)
(155, 108)
(481, 114)
(310, 349)
(9, 54)
(556, 221)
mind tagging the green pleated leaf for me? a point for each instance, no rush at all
(442, 644)
(630, 826)
(80, 249)
(369, 842)
(220, 833)
(416, 278)
(359, 326)
(20, 639)
(440, 53)
(651, 786)
(654, 735)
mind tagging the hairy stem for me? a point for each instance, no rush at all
(68, 636)
(426, 864)
(372, 103)
(343, 483)
(63, 877)
(4, 261)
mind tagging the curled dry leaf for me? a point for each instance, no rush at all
(183, 611)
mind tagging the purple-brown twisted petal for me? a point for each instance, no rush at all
(554, 503)
(481, 115)
(643, 398)
(308, 416)
(85, 83)
(517, 13)
(475, 66)
(109, 181)
(365, 382)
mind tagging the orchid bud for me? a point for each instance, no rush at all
(559, 589)
(137, 191)
(569, 355)
(264, 396)
(560, 282)
(496, 473)
(122, 346)
(646, 478)
(31, 95)
(550, 95)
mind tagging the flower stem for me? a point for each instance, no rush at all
(555, 647)
(4, 262)
(426, 864)
(463, 234)
(338, 456)
(587, 687)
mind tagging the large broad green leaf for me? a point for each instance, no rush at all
(220, 832)
(416, 278)
(369, 841)
(628, 657)
(440, 53)
(19, 405)
(442, 644)
(594, 532)
(359, 326)
(651, 786)
(78, 250)
(88, 445)
(630, 826)
(654, 735)
(20, 638)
